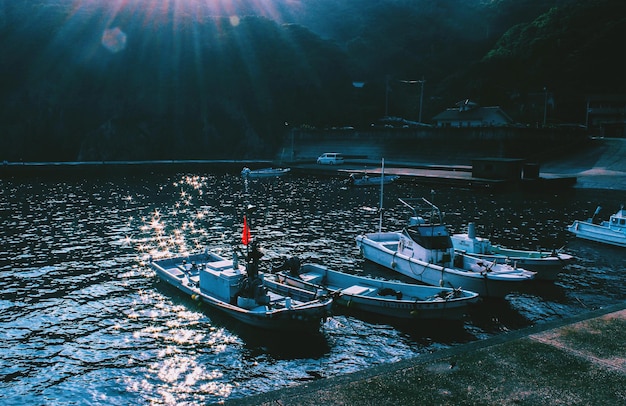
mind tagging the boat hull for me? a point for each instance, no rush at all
(382, 249)
(301, 317)
(373, 181)
(380, 297)
(546, 264)
(598, 233)
(265, 172)
(546, 268)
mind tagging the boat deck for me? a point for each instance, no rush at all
(358, 290)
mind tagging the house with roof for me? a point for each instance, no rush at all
(606, 115)
(470, 114)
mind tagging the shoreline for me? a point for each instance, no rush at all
(602, 166)
(535, 365)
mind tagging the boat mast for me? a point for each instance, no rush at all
(380, 207)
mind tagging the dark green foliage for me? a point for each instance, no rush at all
(193, 83)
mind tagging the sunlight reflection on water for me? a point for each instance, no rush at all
(81, 309)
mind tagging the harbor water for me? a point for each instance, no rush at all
(84, 320)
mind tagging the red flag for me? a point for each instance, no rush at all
(245, 237)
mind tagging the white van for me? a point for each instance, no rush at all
(330, 158)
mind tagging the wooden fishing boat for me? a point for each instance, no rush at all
(229, 287)
(375, 296)
(546, 264)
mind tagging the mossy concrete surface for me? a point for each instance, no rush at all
(581, 361)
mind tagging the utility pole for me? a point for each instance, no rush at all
(387, 96)
(421, 82)
(545, 105)
(421, 98)
(358, 86)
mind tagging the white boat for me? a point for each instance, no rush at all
(376, 296)
(423, 251)
(371, 180)
(227, 286)
(264, 172)
(547, 264)
(611, 232)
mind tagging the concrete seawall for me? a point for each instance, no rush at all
(433, 145)
(596, 163)
(601, 165)
(121, 168)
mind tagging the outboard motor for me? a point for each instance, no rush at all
(292, 265)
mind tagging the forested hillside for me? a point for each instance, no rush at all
(147, 79)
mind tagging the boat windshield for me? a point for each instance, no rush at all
(618, 221)
(430, 237)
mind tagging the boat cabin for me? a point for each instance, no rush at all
(427, 242)
(618, 220)
(432, 237)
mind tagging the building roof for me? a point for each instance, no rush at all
(483, 114)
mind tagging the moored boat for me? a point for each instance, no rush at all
(612, 231)
(264, 172)
(424, 251)
(546, 264)
(371, 180)
(375, 296)
(241, 292)
(366, 179)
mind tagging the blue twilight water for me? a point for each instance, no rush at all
(83, 320)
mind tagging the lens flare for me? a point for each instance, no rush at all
(114, 39)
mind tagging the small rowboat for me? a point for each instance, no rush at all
(376, 296)
(264, 172)
(369, 180)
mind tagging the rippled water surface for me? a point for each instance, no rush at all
(83, 320)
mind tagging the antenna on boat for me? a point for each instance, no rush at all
(382, 182)
(434, 209)
(595, 213)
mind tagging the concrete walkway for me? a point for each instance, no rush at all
(579, 361)
(602, 166)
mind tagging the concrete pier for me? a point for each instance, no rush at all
(579, 361)
(601, 164)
